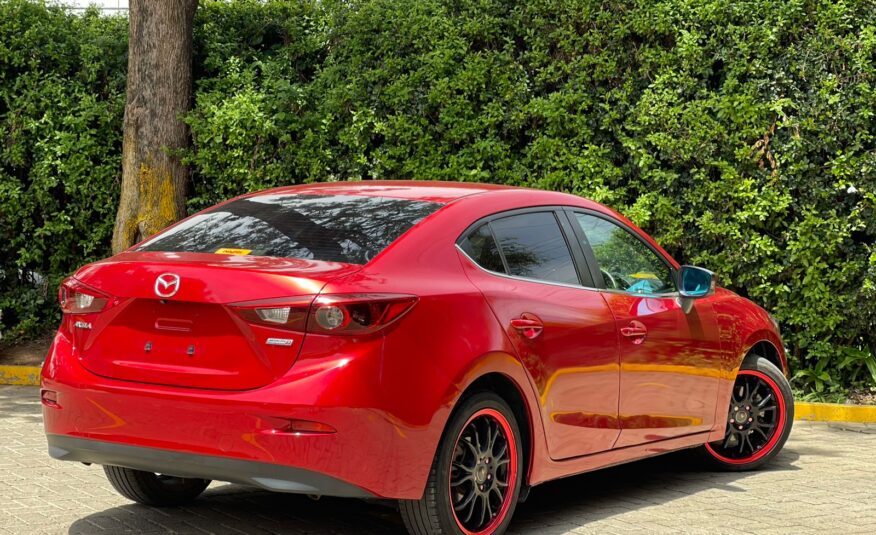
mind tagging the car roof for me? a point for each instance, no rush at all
(415, 190)
(488, 198)
(441, 192)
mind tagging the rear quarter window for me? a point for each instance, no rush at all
(480, 246)
(528, 245)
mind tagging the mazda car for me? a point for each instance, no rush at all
(446, 346)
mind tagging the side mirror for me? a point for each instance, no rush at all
(695, 282)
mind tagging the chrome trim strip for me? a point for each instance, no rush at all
(562, 284)
(525, 279)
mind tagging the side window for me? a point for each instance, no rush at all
(534, 247)
(481, 247)
(625, 261)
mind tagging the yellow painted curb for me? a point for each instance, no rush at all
(833, 412)
(20, 375)
(814, 412)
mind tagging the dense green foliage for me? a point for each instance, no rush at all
(741, 134)
(62, 85)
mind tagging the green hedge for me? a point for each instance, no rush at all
(739, 133)
(62, 84)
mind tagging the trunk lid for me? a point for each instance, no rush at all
(182, 331)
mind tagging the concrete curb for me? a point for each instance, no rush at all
(814, 412)
(20, 375)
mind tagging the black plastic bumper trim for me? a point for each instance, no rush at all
(267, 476)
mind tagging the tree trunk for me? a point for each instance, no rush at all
(158, 93)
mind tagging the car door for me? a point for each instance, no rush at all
(563, 332)
(670, 360)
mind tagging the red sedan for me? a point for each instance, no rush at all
(445, 345)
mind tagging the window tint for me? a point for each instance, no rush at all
(625, 261)
(481, 247)
(336, 228)
(534, 247)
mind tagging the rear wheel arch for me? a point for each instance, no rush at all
(506, 388)
(435, 513)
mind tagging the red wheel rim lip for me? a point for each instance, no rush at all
(512, 471)
(780, 426)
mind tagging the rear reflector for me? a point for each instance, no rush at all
(307, 427)
(49, 398)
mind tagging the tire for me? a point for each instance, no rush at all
(766, 431)
(154, 489)
(482, 415)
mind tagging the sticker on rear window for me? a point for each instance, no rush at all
(228, 250)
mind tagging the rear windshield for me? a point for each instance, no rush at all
(334, 228)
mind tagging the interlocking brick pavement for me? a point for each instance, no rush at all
(823, 482)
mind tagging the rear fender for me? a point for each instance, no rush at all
(511, 369)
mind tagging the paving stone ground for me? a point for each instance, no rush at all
(823, 482)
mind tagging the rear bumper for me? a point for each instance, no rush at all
(245, 436)
(272, 477)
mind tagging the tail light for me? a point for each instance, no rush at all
(77, 298)
(281, 313)
(357, 313)
(346, 314)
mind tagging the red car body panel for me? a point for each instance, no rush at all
(210, 330)
(681, 353)
(592, 397)
(574, 367)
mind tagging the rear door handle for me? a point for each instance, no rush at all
(635, 330)
(529, 325)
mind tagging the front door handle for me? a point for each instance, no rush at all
(529, 325)
(635, 330)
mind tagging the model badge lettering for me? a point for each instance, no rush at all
(167, 285)
(284, 342)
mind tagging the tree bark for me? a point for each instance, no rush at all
(159, 88)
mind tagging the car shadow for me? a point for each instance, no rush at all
(651, 482)
(580, 499)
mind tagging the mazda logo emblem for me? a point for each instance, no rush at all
(166, 285)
